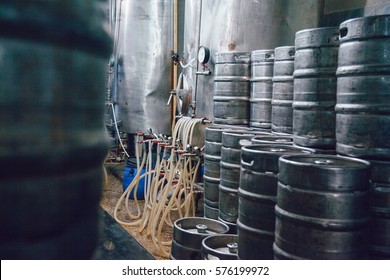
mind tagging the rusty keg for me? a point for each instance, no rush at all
(219, 247)
(262, 63)
(316, 52)
(257, 198)
(231, 88)
(188, 234)
(322, 208)
(363, 82)
(53, 62)
(380, 210)
(283, 90)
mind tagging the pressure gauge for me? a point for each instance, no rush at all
(203, 55)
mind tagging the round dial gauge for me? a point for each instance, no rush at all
(203, 55)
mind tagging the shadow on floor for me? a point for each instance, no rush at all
(115, 243)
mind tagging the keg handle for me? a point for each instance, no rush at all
(269, 56)
(343, 32)
(242, 58)
(249, 164)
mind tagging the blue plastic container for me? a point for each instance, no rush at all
(128, 175)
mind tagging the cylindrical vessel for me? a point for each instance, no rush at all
(322, 208)
(219, 247)
(363, 82)
(380, 210)
(212, 159)
(232, 141)
(262, 65)
(53, 144)
(283, 90)
(231, 88)
(188, 234)
(314, 118)
(257, 198)
(143, 66)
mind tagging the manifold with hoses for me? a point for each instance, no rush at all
(169, 187)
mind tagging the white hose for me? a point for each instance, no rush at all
(169, 187)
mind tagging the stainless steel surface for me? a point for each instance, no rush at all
(325, 213)
(314, 117)
(262, 68)
(232, 142)
(144, 64)
(283, 90)
(235, 25)
(187, 239)
(363, 81)
(231, 88)
(379, 244)
(257, 198)
(219, 247)
(53, 57)
(273, 139)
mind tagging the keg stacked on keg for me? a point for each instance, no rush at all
(231, 88)
(322, 209)
(363, 110)
(316, 52)
(257, 197)
(262, 65)
(212, 159)
(283, 90)
(232, 142)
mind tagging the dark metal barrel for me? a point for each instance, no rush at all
(262, 65)
(230, 172)
(380, 210)
(322, 208)
(220, 247)
(316, 52)
(52, 141)
(188, 234)
(257, 198)
(283, 90)
(231, 88)
(363, 82)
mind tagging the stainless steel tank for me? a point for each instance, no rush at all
(235, 25)
(144, 64)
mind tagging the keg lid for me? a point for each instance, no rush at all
(262, 56)
(265, 157)
(284, 53)
(220, 246)
(324, 172)
(192, 230)
(365, 28)
(317, 37)
(233, 57)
